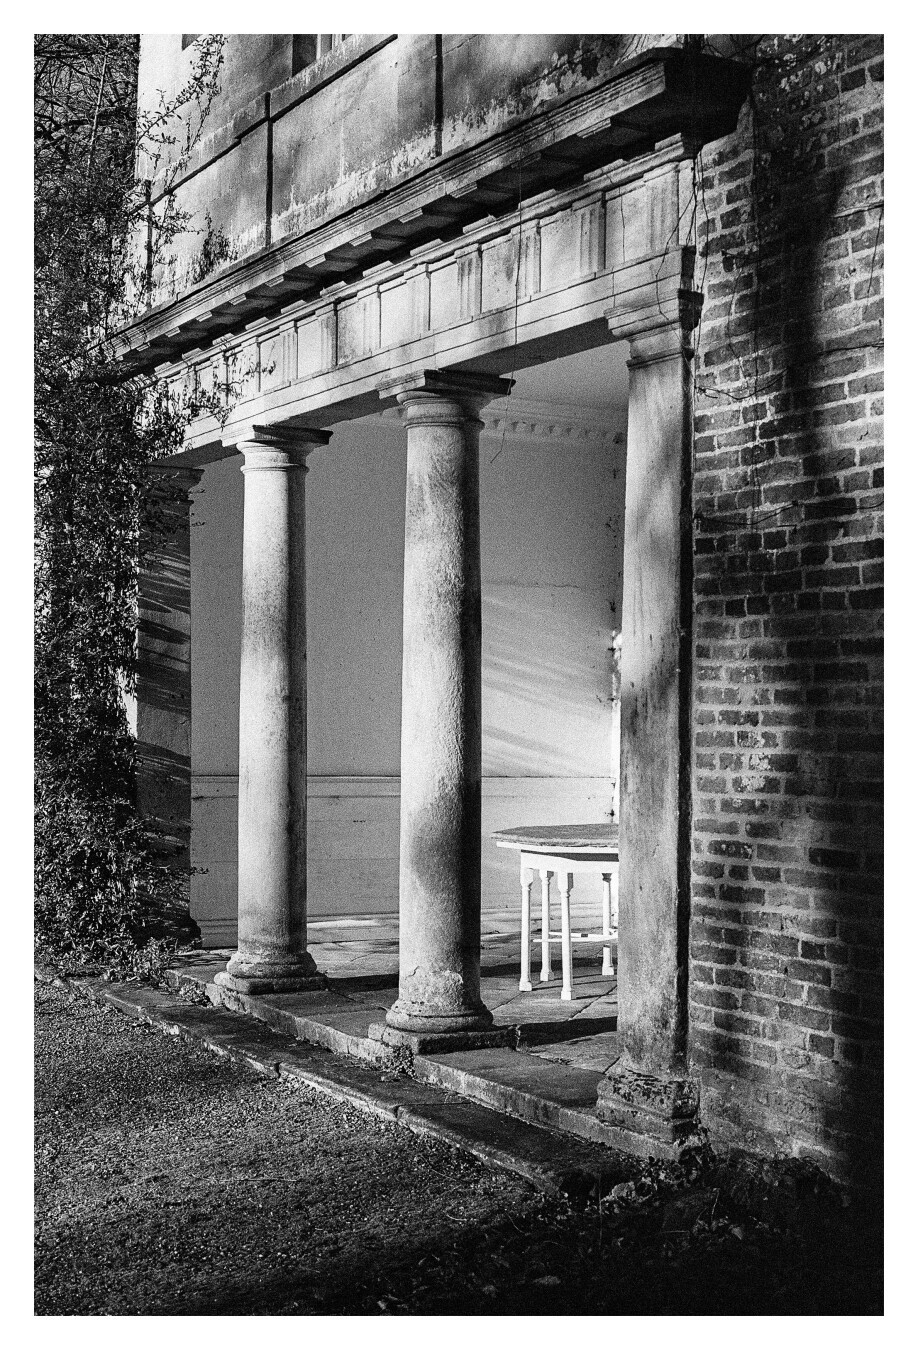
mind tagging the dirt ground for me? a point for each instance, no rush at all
(172, 1182)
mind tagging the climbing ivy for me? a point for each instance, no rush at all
(104, 890)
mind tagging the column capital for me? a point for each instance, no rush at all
(428, 394)
(169, 472)
(659, 332)
(659, 317)
(280, 447)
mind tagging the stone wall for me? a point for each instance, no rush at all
(786, 929)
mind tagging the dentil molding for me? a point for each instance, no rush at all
(547, 420)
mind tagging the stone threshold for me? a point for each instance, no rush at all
(549, 1095)
(554, 1163)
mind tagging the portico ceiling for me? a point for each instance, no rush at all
(596, 378)
(583, 394)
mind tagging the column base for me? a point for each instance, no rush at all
(248, 975)
(649, 1105)
(293, 984)
(442, 1042)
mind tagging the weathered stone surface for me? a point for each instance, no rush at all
(323, 1017)
(672, 1098)
(560, 1098)
(656, 660)
(661, 1108)
(440, 834)
(432, 1042)
(267, 984)
(272, 951)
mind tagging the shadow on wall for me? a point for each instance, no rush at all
(163, 756)
(787, 909)
(549, 683)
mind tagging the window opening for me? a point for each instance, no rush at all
(311, 47)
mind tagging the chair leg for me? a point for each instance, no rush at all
(525, 929)
(607, 967)
(565, 885)
(546, 924)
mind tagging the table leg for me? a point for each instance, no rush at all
(565, 885)
(526, 875)
(607, 967)
(546, 924)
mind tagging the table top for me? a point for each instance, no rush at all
(601, 838)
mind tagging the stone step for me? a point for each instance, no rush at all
(550, 1095)
(549, 1161)
(554, 1095)
(324, 1017)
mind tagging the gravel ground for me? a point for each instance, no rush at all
(172, 1182)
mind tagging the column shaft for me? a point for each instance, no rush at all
(647, 1093)
(440, 831)
(653, 927)
(272, 953)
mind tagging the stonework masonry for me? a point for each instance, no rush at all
(786, 895)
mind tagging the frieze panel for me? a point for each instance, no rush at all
(275, 360)
(358, 326)
(560, 250)
(317, 343)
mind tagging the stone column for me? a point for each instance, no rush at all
(272, 953)
(648, 1093)
(440, 835)
(164, 674)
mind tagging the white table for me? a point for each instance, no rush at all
(560, 851)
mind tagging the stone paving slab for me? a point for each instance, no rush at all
(326, 1017)
(532, 1010)
(380, 994)
(510, 1074)
(587, 1052)
(548, 1026)
(531, 1094)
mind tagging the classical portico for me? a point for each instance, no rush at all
(437, 334)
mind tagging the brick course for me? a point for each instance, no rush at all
(786, 931)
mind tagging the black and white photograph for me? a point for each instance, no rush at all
(458, 693)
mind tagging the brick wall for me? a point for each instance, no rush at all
(785, 943)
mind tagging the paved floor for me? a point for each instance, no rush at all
(363, 950)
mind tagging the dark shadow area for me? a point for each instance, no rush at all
(546, 1033)
(163, 754)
